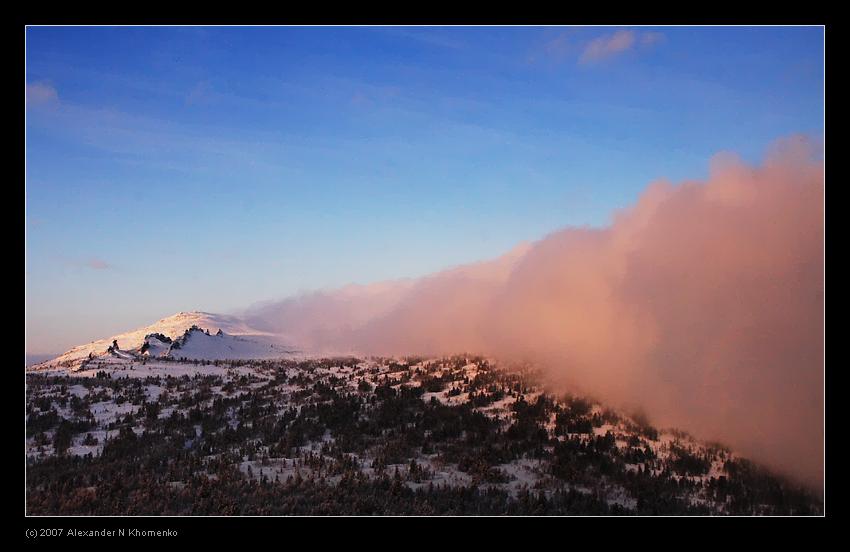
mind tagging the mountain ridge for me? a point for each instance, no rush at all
(246, 341)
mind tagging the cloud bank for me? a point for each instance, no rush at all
(702, 305)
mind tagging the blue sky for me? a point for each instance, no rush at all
(199, 168)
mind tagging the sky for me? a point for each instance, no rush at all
(200, 168)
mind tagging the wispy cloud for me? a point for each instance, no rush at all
(560, 47)
(607, 46)
(426, 37)
(40, 93)
(93, 263)
(98, 264)
(651, 38)
(211, 149)
(617, 43)
(198, 93)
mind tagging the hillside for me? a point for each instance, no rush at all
(455, 435)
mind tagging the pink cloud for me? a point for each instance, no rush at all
(702, 305)
(97, 264)
(612, 45)
(39, 93)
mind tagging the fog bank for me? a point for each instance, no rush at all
(702, 304)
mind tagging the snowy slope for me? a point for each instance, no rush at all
(156, 347)
(241, 341)
(197, 345)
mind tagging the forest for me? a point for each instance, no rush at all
(456, 435)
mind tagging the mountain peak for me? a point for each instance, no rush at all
(173, 327)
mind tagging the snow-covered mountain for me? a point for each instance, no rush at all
(191, 335)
